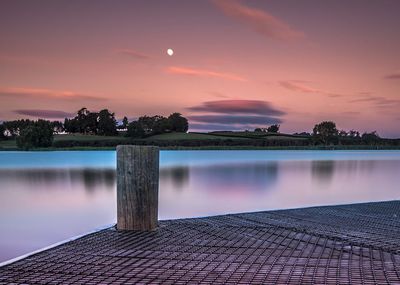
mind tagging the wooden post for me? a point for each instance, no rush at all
(137, 187)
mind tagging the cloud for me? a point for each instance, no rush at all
(233, 115)
(300, 86)
(394, 75)
(133, 53)
(254, 107)
(204, 73)
(46, 94)
(259, 20)
(217, 127)
(378, 101)
(48, 114)
(242, 120)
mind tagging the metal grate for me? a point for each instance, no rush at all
(349, 244)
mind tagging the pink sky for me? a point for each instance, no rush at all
(237, 64)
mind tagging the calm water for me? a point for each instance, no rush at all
(46, 197)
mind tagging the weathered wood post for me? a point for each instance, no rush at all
(137, 187)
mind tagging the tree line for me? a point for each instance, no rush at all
(40, 133)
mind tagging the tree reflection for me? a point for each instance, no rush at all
(179, 176)
(322, 170)
(49, 179)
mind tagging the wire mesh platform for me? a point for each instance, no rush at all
(346, 244)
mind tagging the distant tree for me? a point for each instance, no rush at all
(86, 121)
(370, 138)
(71, 125)
(16, 126)
(106, 123)
(354, 134)
(91, 123)
(178, 123)
(343, 133)
(135, 130)
(257, 130)
(306, 134)
(273, 128)
(58, 127)
(38, 134)
(2, 130)
(154, 125)
(125, 122)
(325, 131)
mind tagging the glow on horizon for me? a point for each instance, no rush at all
(300, 61)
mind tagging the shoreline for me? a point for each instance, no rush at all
(334, 147)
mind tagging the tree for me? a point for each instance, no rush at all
(354, 134)
(107, 125)
(58, 127)
(370, 138)
(71, 125)
(125, 122)
(273, 128)
(178, 123)
(16, 126)
(135, 130)
(86, 121)
(38, 134)
(257, 130)
(2, 130)
(154, 125)
(325, 131)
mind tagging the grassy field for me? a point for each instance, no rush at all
(234, 136)
(80, 137)
(8, 145)
(191, 136)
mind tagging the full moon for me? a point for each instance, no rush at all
(170, 51)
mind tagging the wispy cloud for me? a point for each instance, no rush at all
(233, 115)
(301, 86)
(394, 75)
(378, 101)
(46, 94)
(133, 53)
(204, 127)
(48, 114)
(259, 20)
(204, 73)
(254, 107)
(238, 119)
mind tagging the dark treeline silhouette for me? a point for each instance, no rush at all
(95, 123)
(32, 134)
(40, 133)
(148, 126)
(270, 129)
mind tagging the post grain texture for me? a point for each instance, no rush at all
(137, 187)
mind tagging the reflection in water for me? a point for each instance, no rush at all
(322, 170)
(46, 178)
(236, 177)
(179, 175)
(53, 204)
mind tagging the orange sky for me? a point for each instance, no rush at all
(237, 64)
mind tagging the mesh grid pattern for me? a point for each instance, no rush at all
(347, 244)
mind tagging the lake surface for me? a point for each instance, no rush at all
(46, 197)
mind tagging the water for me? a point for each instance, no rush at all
(46, 197)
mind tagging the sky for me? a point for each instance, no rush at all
(236, 64)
